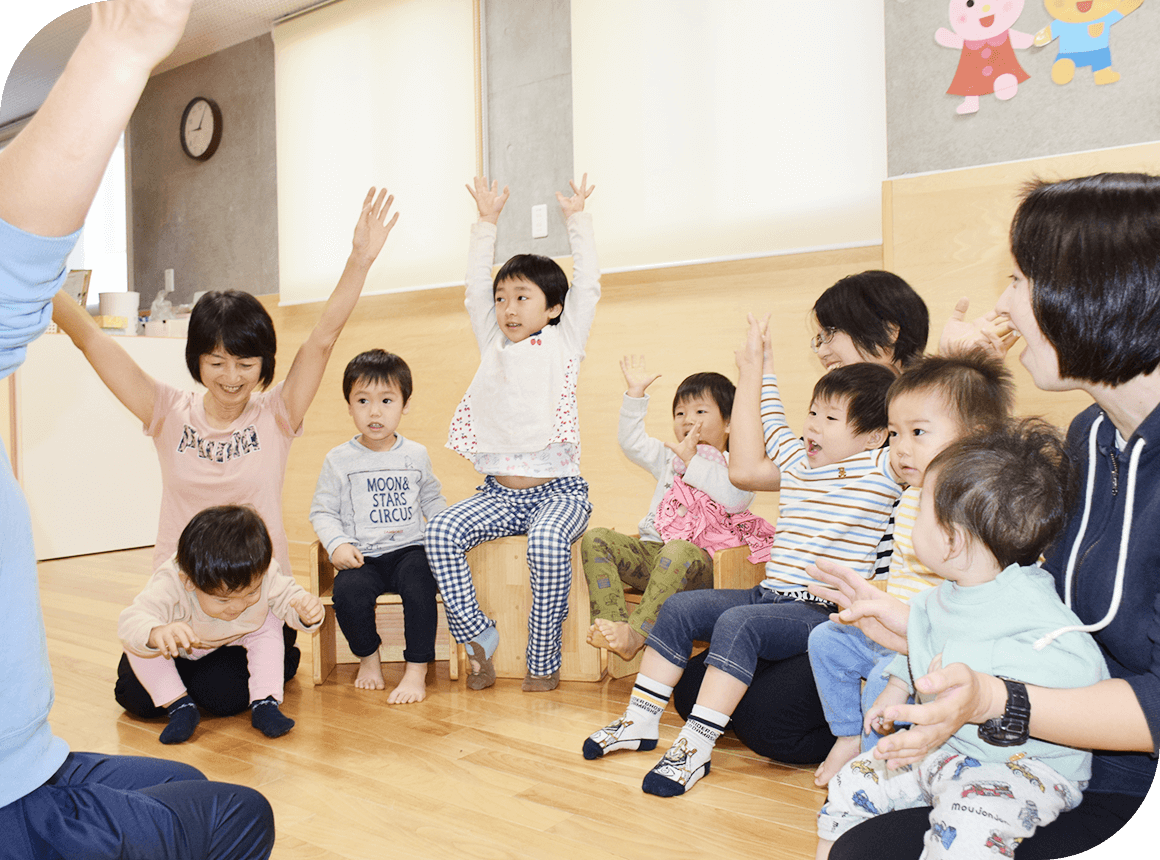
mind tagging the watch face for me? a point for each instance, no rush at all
(201, 128)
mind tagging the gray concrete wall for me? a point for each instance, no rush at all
(528, 109)
(215, 223)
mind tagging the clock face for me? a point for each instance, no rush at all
(201, 128)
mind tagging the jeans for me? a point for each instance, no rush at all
(741, 626)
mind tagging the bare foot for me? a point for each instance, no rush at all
(595, 638)
(620, 638)
(370, 673)
(413, 687)
(843, 750)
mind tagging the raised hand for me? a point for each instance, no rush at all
(686, 449)
(142, 32)
(372, 228)
(172, 639)
(992, 332)
(757, 353)
(636, 378)
(569, 206)
(488, 198)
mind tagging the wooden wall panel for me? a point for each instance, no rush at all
(684, 319)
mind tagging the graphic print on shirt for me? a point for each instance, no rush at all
(240, 443)
(385, 499)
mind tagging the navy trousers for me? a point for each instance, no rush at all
(100, 807)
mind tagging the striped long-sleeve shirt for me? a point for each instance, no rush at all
(908, 575)
(838, 512)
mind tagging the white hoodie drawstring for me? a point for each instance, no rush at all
(1125, 534)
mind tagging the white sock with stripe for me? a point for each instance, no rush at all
(639, 727)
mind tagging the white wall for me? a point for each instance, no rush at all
(375, 93)
(724, 128)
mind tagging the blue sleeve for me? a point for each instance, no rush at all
(31, 273)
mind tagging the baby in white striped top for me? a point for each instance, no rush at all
(936, 401)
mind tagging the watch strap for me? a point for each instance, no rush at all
(1013, 727)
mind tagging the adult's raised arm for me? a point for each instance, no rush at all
(135, 388)
(50, 172)
(305, 375)
(749, 466)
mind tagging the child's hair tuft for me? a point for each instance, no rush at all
(542, 271)
(719, 387)
(224, 548)
(977, 388)
(863, 386)
(1010, 487)
(377, 365)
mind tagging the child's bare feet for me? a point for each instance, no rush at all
(618, 637)
(843, 750)
(413, 687)
(370, 672)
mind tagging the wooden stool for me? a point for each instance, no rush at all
(731, 569)
(499, 569)
(330, 646)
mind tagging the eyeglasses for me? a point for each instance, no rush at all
(826, 335)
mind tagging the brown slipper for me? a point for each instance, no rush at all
(541, 683)
(483, 677)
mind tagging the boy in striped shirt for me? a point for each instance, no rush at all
(837, 494)
(935, 402)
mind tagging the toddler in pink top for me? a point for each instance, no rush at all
(222, 588)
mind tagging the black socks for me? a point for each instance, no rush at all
(268, 719)
(183, 719)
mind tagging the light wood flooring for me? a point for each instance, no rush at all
(490, 774)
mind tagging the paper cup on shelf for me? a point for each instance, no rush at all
(122, 305)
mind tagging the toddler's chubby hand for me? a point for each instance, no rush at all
(686, 449)
(569, 206)
(171, 639)
(636, 378)
(346, 556)
(309, 608)
(876, 722)
(488, 198)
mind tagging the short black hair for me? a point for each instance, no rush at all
(236, 322)
(719, 387)
(224, 548)
(863, 386)
(542, 271)
(377, 365)
(1010, 487)
(977, 387)
(1091, 249)
(870, 307)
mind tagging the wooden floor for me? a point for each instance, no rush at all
(490, 774)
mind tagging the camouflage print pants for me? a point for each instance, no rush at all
(613, 560)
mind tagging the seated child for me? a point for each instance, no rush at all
(990, 504)
(935, 402)
(837, 493)
(221, 588)
(695, 510)
(518, 425)
(374, 494)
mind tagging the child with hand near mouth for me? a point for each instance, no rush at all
(837, 494)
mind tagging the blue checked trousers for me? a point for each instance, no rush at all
(553, 516)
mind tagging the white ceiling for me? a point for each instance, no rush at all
(213, 26)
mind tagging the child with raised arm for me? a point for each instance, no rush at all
(989, 505)
(837, 493)
(373, 496)
(222, 587)
(694, 511)
(518, 425)
(936, 401)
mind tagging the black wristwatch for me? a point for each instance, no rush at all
(1013, 728)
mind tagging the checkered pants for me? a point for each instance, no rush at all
(552, 515)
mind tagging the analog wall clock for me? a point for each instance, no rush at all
(201, 128)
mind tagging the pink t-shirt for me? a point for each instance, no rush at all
(202, 466)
